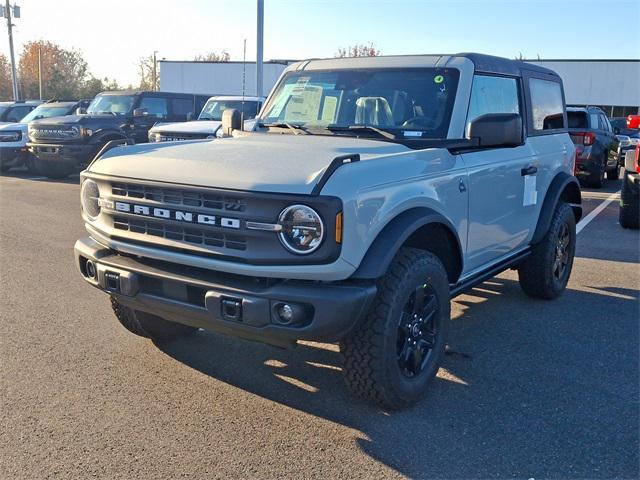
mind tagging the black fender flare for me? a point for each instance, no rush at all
(395, 234)
(563, 187)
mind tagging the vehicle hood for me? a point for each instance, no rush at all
(20, 127)
(196, 126)
(265, 162)
(80, 120)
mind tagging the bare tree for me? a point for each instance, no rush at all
(358, 50)
(223, 56)
(145, 65)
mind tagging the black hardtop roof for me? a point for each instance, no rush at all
(62, 103)
(150, 93)
(503, 66)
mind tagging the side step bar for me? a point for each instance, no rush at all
(471, 282)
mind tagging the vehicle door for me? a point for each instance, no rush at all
(156, 110)
(612, 143)
(500, 216)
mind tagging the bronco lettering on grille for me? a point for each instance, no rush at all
(177, 215)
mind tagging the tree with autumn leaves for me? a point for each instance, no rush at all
(65, 74)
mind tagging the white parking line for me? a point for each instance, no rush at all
(596, 211)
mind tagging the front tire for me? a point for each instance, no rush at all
(629, 213)
(394, 354)
(147, 325)
(613, 174)
(545, 273)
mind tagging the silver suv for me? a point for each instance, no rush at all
(371, 192)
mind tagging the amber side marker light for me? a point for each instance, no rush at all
(339, 227)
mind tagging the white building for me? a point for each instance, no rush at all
(218, 78)
(613, 85)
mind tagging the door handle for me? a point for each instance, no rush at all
(529, 170)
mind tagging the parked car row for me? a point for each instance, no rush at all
(58, 138)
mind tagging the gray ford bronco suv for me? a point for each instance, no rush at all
(371, 192)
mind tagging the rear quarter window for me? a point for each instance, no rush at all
(547, 106)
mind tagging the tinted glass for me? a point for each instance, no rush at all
(114, 104)
(493, 95)
(181, 106)
(17, 113)
(546, 103)
(417, 99)
(595, 121)
(577, 120)
(214, 108)
(45, 112)
(156, 106)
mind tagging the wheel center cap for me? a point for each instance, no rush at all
(415, 330)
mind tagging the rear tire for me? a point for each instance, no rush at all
(596, 179)
(393, 355)
(613, 174)
(629, 214)
(545, 273)
(147, 325)
(53, 170)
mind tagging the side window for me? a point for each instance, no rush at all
(181, 107)
(156, 106)
(595, 121)
(547, 109)
(493, 95)
(603, 123)
(18, 113)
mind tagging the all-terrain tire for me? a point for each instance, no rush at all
(371, 358)
(53, 170)
(613, 174)
(629, 213)
(540, 275)
(596, 179)
(147, 325)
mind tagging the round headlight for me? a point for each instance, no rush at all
(89, 196)
(302, 229)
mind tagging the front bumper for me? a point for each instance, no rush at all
(235, 305)
(75, 154)
(12, 156)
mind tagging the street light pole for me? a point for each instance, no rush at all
(7, 13)
(259, 47)
(154, 76)
(40, 71)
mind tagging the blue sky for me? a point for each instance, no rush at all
(113, 38)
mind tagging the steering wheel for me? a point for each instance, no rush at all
(419, 121)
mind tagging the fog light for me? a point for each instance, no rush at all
(285, 313)
(90, 268)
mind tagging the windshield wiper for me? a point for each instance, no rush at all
(368, 128)
(296, 129)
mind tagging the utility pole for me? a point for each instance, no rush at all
(40, 71)
(7, 14)
(154, 75)
(259, 47)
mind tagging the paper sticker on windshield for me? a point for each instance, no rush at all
(411, 133)
(438, 79)
(300, 85)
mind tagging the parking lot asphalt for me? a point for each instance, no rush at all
(530, 389)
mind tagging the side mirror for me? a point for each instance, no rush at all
(140, 112)
(231, 120)
(189, 116)
(81, 111)
(496, 130)
(624, 140)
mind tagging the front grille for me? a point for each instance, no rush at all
(174, 197)
(53, 133)
(172, 137)
(193, 235)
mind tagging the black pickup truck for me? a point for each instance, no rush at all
(62, 145)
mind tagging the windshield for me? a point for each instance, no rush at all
(410, 102)
(214, 108)
(45, 112)
(115, 104)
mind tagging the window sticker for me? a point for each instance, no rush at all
(438, 79)
(530, 196)
(305, 106)
(329, 109)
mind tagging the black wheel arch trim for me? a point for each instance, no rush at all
(395, 234)
(563, 187)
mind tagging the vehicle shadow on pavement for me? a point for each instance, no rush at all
(23, 174)
(523, 390)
